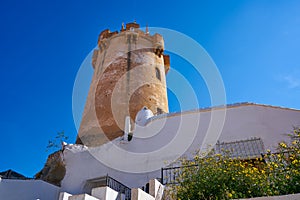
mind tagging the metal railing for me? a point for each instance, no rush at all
(170, 175)
(252, 147)
(109, 182)
(119, 187)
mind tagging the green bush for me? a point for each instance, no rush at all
(220, 177)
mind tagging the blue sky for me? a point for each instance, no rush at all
(255, 45)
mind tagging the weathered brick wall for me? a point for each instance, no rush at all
(129, 73)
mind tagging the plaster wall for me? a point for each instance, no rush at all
(27, 189)
(168, 136)
(138, 194)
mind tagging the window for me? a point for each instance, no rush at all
(157, 72)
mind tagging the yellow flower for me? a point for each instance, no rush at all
(283, 145)
(295, 162)
(229, 195)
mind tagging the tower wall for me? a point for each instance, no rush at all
(129, 73)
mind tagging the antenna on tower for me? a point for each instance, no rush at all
(147, 29)
(123, 27)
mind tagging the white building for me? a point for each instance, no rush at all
(135, 162)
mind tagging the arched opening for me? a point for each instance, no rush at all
(159, 111)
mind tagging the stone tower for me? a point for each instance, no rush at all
(129, 73)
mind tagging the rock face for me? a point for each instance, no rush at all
(129, 73)
(54, 169)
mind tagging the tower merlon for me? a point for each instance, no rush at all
(132, 32)
(132, 28)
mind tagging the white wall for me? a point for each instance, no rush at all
(174, 134)
(138, 194)
(104, 193)
(27, 190)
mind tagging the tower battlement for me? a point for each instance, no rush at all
(130, 27)
(132, 32)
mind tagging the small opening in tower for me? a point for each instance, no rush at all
(157, 72)
(159, 111)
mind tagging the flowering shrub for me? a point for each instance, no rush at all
(221, 177)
